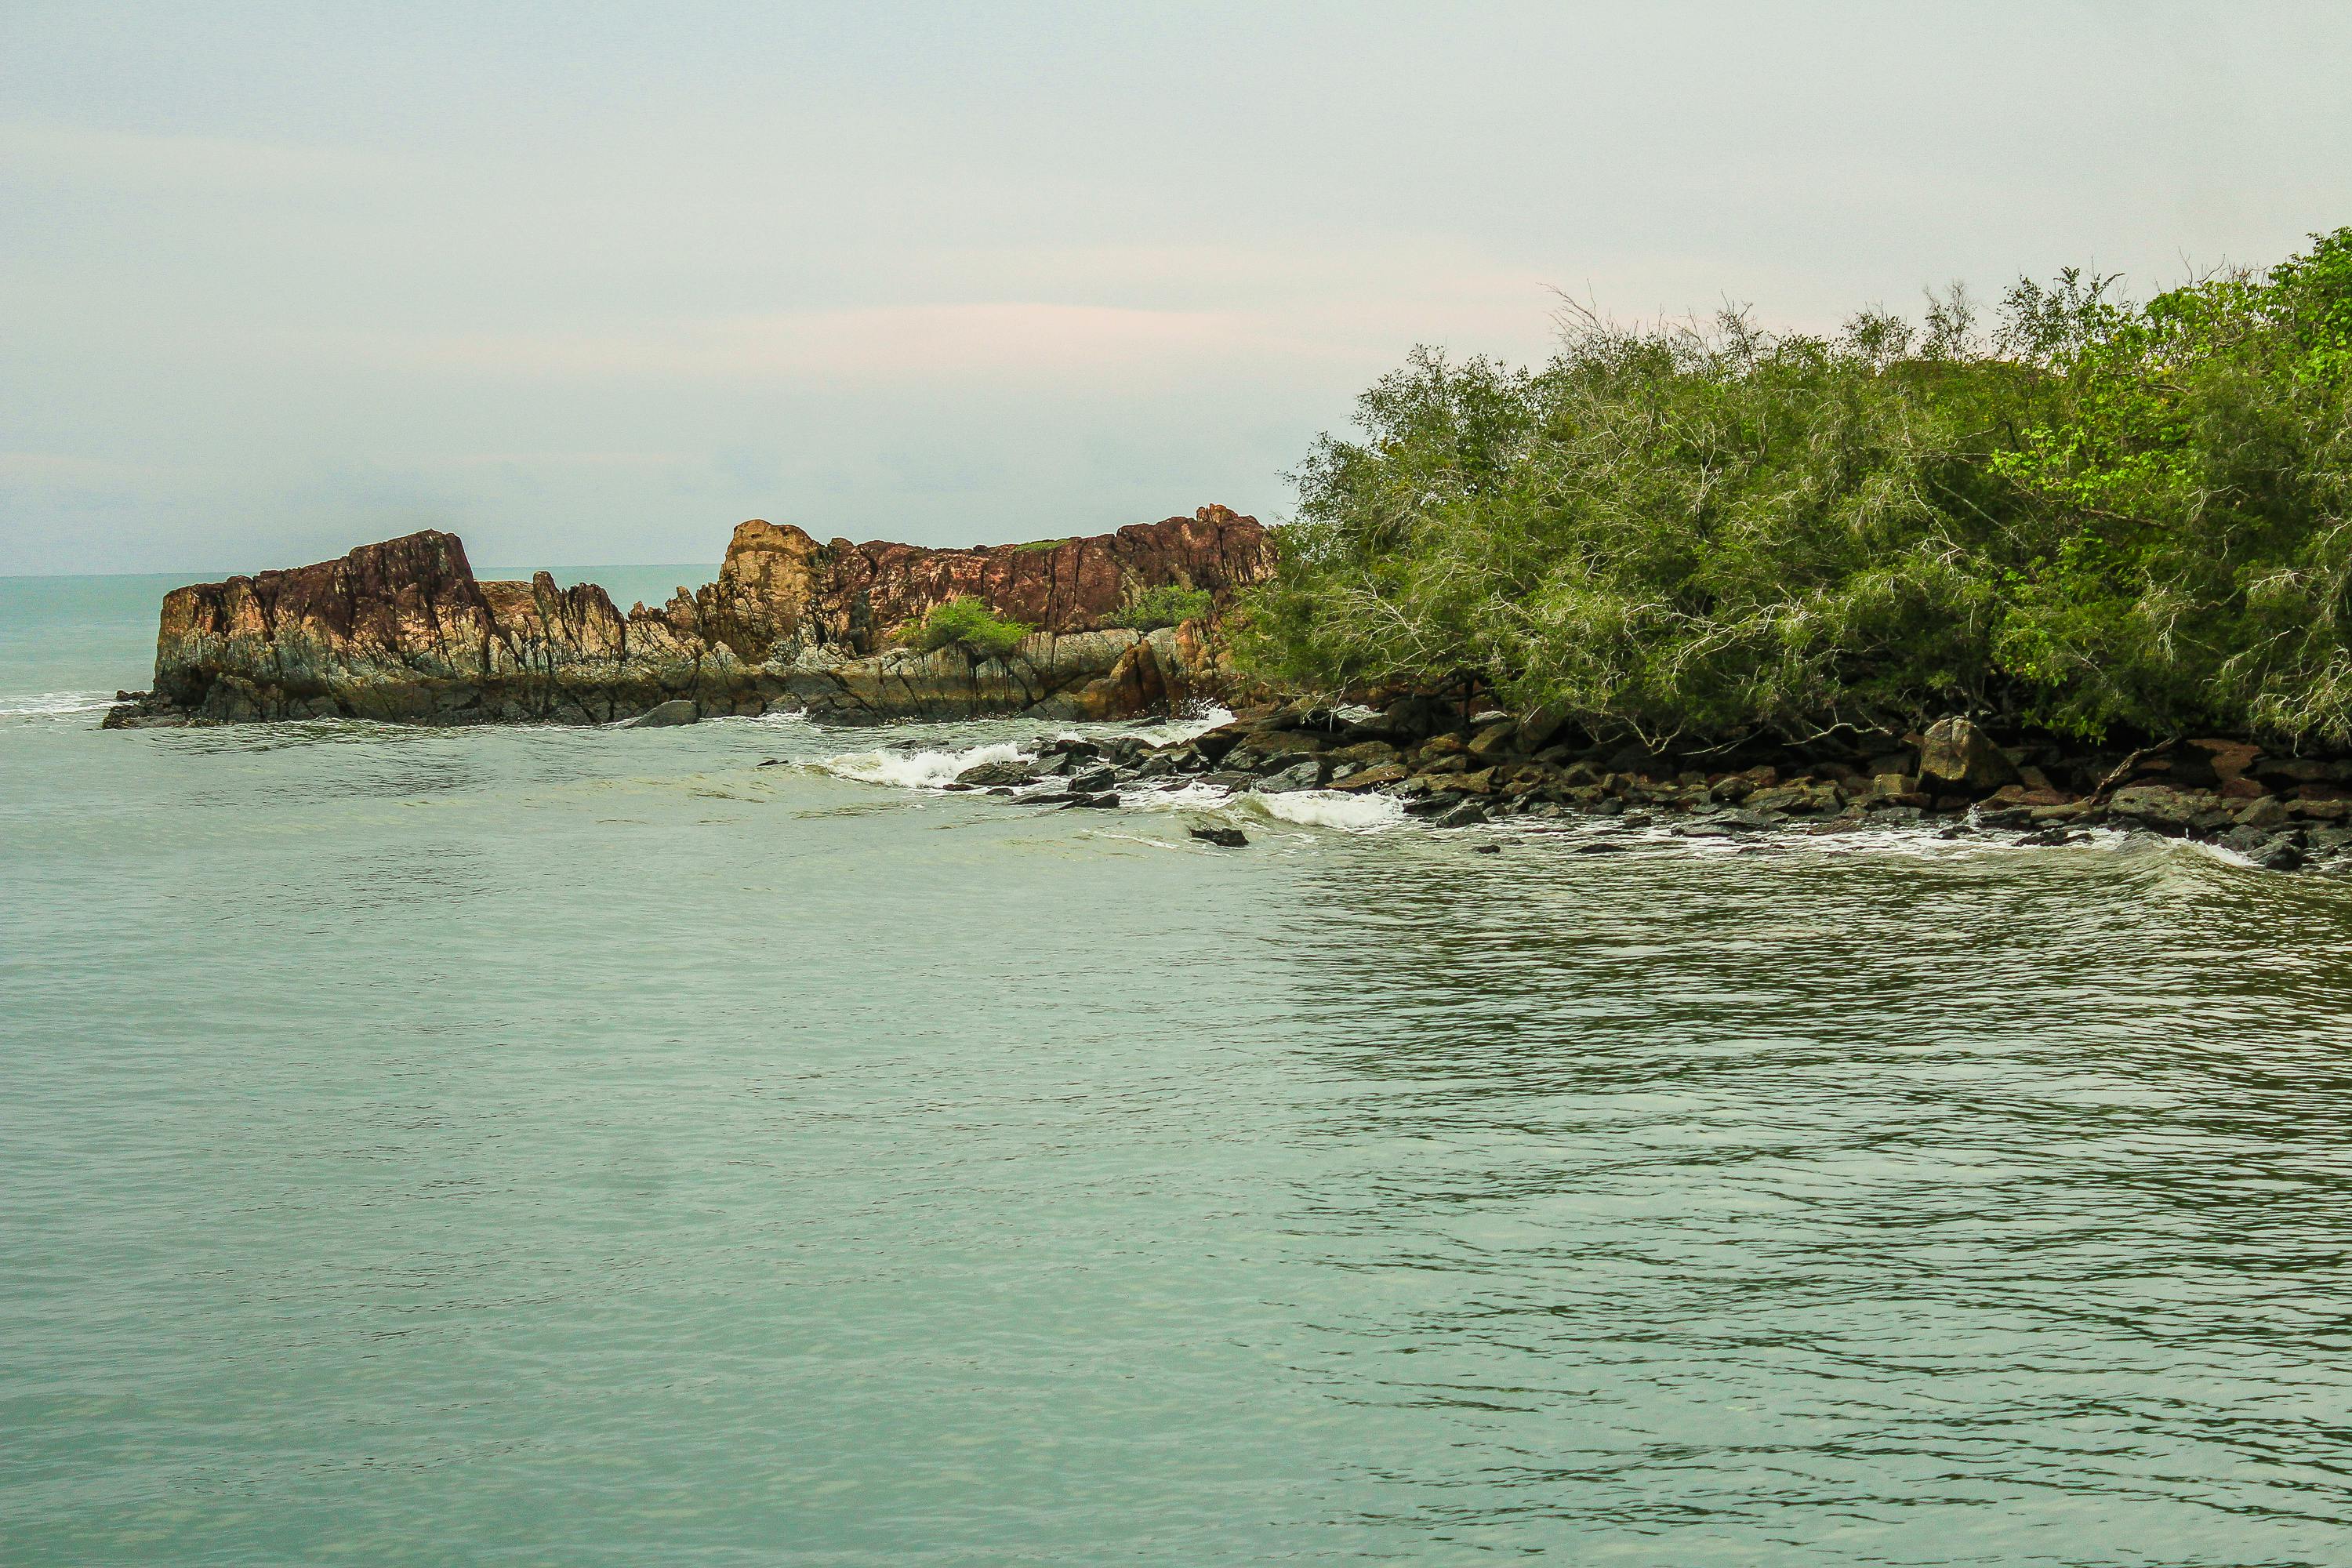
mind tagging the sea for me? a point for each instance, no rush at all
(722, 1146)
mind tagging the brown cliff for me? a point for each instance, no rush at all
(403, 631)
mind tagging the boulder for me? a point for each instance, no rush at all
(1494, 743)
(662, 716)
(986, 774)
(2162, 808)
(1301, 775)
(2263, 811)
(1377, 776)
(1223, 837)
(1956, 757)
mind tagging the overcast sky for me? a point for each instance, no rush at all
(593, 283)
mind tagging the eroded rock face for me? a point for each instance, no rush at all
(403, 631)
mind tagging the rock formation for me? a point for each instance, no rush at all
(403, 631)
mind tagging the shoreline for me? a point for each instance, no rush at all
(2272, 811)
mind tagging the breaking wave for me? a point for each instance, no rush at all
(1330, 808)
(915, 770)
(53, 704)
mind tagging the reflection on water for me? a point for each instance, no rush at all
(1970, 1206)
(592, 1146)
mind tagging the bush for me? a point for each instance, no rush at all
(968, 624)
(1168, 604)
(2107, 519)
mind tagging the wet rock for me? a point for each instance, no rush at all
(1803, 798)
(667, 715)
(1955, 755)
(1468, 813)
(1379, 776)
(1485, 850)
(1093, 780)
(1082, 801)
(2161, 809)
(1223, 837)
(1301, 775)
(2271, 851)
(985, 775)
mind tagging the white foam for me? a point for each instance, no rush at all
(915, 770)
(1331, 808)
(45, 704)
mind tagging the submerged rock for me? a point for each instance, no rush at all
(1223, 837)
(664, 715)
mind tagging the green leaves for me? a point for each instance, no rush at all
(968, 624)
(1168, 604)
(2113, 517)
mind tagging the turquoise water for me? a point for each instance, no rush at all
(583, 1146)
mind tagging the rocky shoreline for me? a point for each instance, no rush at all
(2279, 812)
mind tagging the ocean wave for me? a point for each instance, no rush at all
(915, 770)
(1331, 808)
(53, 704)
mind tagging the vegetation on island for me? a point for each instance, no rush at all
(1168, 604)
(2097, 518)
(970, 625)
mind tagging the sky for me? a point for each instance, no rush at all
(590, 283)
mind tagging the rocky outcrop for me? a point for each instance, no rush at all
(403, 631)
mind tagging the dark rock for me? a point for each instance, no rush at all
(677, 710)
(1223, 837)
(773, 763)
(984, 775)
(1468, 814)
(1079, 801)
(1485, 850)
(1093, 780)
(1301, 775)
(2279, 857)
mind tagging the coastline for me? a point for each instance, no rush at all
(1447, 770)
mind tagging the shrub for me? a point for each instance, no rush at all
(2107, 518)
(968, 624)
(1168, 604)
